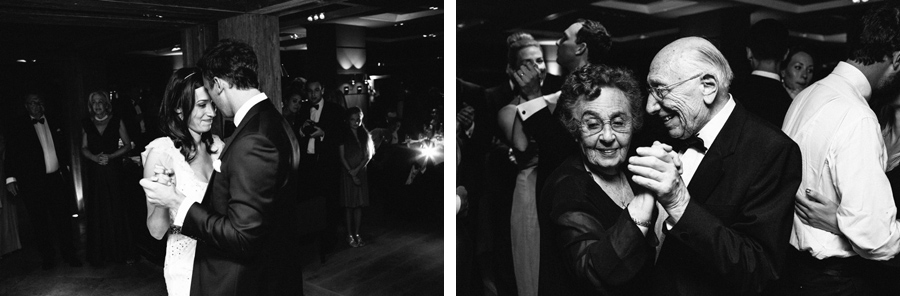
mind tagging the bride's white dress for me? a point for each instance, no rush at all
(180, 249)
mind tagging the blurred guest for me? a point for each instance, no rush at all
(763, 93)
(525, 63)
(291, 110)
(845, 160)
(599, 224)
(104, 142)
(320, 131)
(37, 162)
(797, 71)
(725, 186)
(337, 97)
(9, 225)
(356, 149)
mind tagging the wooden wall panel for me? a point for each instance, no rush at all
(195, 40)
(261, 32)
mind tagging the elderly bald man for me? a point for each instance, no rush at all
(726, 182)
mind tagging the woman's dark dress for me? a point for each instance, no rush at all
(589, 245)
(108, 237)
(355, 152)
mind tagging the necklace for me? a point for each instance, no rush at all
(617, 190)
(101, 119)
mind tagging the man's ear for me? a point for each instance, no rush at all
(221, 83)
(709, 85)
(581, 48)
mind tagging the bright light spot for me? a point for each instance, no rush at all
(433, 8)
(309, 18)
(74, 215)
(322, 16)
(21, 61)
(429, 152)
(176, 48)
(316, 17)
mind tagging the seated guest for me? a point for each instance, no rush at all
(599, 228)
(797, 71)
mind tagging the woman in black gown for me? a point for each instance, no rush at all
(104, 142)
(601, 242)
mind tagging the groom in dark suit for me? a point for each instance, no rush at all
(726, 183)
(246, 227)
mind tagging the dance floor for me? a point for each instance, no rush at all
(402, 259)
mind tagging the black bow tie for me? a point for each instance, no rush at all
(36, 121)
(695, 142)
(315, 106)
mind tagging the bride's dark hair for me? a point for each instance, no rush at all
(180, 95)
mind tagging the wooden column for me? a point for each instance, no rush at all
(195, 40)
(261, 32)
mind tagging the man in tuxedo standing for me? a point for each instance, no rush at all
(37, 164)
(246, 226)
(762, 93)
(727, 188)
(319, 163)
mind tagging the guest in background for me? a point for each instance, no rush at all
(599, 223)
(320, 130)
(104, 142)
(9, 224)
(36, 168)
(356, 149)
(525, 62)
(797, 71)
(291, 109)
(763, 93)
(337, 97)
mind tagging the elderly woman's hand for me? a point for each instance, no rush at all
(641, 207)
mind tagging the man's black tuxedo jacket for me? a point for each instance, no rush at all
(330, 120)
(247, 225)
(764, 97)
(25, 157)
(733, 236)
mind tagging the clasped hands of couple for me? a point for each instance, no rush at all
(658, 170)
(160, 188)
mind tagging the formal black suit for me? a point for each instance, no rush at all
(49, 197)
(319, 172)
(764, 97)
(247, 227)
(733, 236)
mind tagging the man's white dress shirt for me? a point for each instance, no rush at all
(314, 114)
(844, 160)
(238, 117)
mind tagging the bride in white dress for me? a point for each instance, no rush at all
(188, 151)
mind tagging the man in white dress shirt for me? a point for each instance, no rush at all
(844, 161)
(36, 164)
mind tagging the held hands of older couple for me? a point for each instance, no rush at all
(160, 188)
(658, 168)
(817, 211)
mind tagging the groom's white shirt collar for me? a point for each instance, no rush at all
(242, 111)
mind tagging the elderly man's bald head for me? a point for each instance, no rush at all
(694, 53)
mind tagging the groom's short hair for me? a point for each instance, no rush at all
(232, 60)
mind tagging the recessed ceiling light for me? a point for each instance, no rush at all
(321, 15)
(21, 61)
(309, 18)
(433, 8)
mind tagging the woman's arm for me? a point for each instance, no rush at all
(84, 149)
(157, 217)
(126, 141)
(344, 159)
(511, 126)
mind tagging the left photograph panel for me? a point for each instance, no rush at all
(234, 147)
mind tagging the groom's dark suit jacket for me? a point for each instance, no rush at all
(733, 236)
(247, 225)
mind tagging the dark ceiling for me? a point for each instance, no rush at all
(48, 29)
(639, 27)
